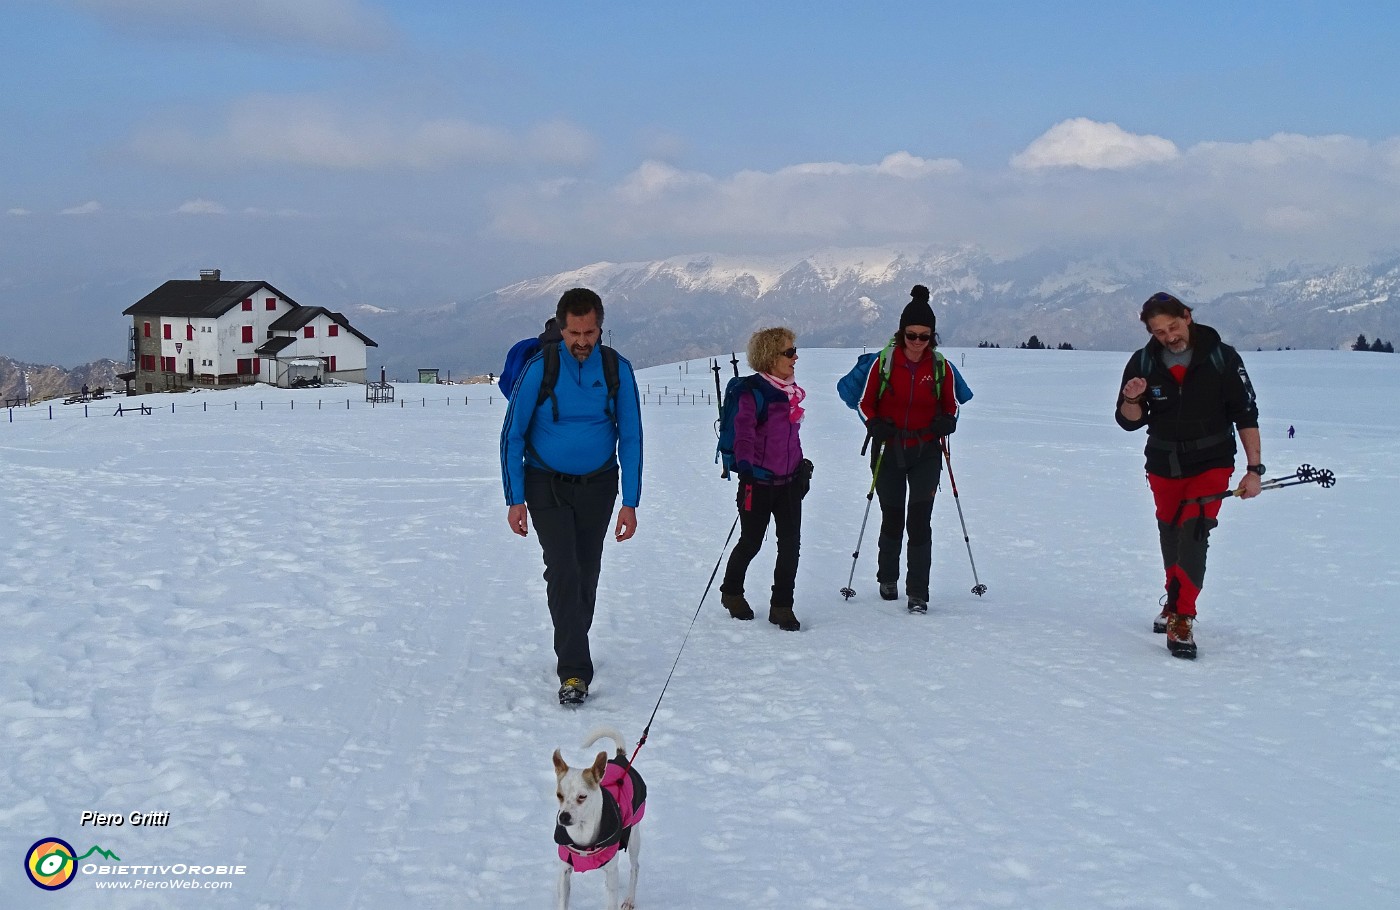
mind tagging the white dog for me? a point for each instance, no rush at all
(599, 808)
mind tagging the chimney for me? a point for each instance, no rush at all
(208, 274)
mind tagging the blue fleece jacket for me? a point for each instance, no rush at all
(584, 439)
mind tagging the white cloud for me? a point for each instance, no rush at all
(1286, 196)
(87, 208)
(19, 212)
(899, 164)
(1086, 143)
(201, 207)
(339, 24)
(1290, 149)
(310, 132)
(664, 145)
(825, 201)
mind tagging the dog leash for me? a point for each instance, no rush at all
(647, 729)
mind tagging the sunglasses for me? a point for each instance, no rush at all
(918, 336)
(789, 353)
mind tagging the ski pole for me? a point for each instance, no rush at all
(1306, 473)
(977, 587)
(719, 396)
(848, 592)
(647, 729)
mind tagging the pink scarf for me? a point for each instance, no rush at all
(794, 393)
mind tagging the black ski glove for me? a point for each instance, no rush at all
(881, 429)
(802, 479)
(944, 425)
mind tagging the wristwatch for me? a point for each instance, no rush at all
(1255, 469)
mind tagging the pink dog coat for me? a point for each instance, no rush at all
(624, 804)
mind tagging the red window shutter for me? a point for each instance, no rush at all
(189, 332)
(332, 361)
(334, 330)
(247, 334)
(248, 304)
(257, 365)
(272, 303)
(146, 330)
(309, 331)
(165, 331)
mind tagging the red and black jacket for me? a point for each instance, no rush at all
(1191, 424)
(915, 395)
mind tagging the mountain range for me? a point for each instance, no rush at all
(40, 382)
(692, 306)
(696, 305)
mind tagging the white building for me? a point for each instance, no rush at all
(210, 333)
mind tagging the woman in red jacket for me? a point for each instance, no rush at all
(909, 407)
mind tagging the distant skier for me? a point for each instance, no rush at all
(1290, 431)
(1191, 391)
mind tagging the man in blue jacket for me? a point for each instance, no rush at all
(572, 438)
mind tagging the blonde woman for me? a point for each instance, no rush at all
(773, 475)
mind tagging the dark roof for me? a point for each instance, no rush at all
(274, 346)
(199, 298)
(295, 318)
(298, 317)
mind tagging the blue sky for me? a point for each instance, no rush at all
(432, 151)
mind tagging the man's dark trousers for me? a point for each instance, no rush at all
(572, 521)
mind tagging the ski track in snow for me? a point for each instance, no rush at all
(309, 636)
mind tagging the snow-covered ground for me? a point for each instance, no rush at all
(308, 635)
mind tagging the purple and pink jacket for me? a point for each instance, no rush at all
(624, 804)
(772, 446)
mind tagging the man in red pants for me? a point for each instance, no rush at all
(1191, 391)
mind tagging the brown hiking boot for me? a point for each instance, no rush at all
(1179, 639)
(784, 619)
(737, 606)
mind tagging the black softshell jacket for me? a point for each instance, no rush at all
(1190, 426)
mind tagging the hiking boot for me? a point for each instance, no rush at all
(889, 591)
(1159, 625)
(737, 606)
(918, 604)
(573, 691)
(783, 618)
(1179, 639)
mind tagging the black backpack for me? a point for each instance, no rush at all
(550, 353)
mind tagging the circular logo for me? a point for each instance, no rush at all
(50, 864)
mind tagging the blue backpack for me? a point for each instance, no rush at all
(519, 355)
(733, 392)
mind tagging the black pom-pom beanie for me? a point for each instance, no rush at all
(918, 311)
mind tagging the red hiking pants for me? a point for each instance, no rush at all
(1185, 531)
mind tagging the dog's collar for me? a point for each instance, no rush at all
(609, 830)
